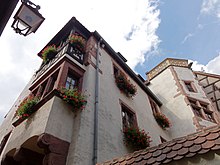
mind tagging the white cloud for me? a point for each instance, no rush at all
(211, 7)
(189, 35)
(211, 67)
(112, 19)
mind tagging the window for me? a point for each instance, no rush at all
(154, 106)
(201, 109)
(189, 86)
(195, 108)
(71, 82)
(128, 117)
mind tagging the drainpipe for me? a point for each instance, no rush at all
(95, 142)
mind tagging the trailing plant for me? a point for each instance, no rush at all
(25, 109)
(78, 41)
(125, 85)
(136, 138)
(49, 52)
(73, 97)
(162, 120)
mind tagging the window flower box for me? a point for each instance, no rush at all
(49, 52)
(125, 85)
(136, 138)
(162, 120)
(77, 41)
(73, 97)
(25, 109)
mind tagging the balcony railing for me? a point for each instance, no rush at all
(69, 49)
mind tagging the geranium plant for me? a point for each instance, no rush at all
(73, 97)
(78, 41)
(49, 52)
(136, 138)
(25, 109)
(125, 85)
(162, 120)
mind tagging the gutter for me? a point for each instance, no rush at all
(95, 142)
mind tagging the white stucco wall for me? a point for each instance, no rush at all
(174, 105)
(110, 134)
(170, 89)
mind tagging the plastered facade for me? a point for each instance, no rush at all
(169, 87)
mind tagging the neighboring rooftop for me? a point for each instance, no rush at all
(189, 146)
(165, 64)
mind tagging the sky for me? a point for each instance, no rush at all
(145, 32)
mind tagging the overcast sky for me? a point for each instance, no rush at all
(144, 31)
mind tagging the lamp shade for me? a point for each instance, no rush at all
(27, 20)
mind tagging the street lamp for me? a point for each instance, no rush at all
(27, 18)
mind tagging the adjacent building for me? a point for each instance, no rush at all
(57, 129)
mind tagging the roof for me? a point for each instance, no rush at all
(6, 9)
(165, 64)
(207, 74)
(185, 147)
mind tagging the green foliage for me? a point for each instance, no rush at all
(78, 41)
(125, 85)
(162, 120)
(136, 138)
(25, 108)
(73, 97)
(48, 51)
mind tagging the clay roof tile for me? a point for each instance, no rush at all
(188, 146)
(200, 140)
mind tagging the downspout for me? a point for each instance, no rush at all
(95, 142)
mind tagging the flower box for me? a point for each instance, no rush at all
(25, 109)
(77, 41)
(162, 120)
(125, 85)
(49, 52)
(73, 97)
(136, 138)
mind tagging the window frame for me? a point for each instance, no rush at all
(203, 108)
(154, 107)
(189, 85)
(128, 110)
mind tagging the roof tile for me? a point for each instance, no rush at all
(166, 150)
(208, 144)
(188, 146)
(147, 156)
(172, 154)
(203, 151)
(161, 157)
(190, 155)
(167, 160)
(177, 147)
(131, 161)
(195, 148)
(157, 153)
(200, 140)
(188, 143)
(212, 136)
(183, 151)
(151, 160)
(178, 157)
(216, 147)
